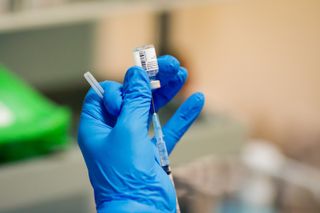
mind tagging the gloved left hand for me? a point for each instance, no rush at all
(113, 137)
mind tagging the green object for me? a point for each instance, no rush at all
(30, 125)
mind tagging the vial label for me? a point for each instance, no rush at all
(147, 59)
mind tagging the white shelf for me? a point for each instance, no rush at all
(29, 183)
(84, 12)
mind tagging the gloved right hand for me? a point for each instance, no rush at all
(113, 137)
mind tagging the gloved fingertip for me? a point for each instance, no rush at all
(192, 107)
(112, 98)
(179, 79)
(168, 64)
(198, 98)
(135, 73)
(183, 74)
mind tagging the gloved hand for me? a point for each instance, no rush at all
(113, 137)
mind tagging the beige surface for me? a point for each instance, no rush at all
(256, 60)
(213, 135)
(116, 38)
(259, 61)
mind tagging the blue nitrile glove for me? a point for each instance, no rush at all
(113, 137)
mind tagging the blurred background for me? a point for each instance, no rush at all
(255, 147)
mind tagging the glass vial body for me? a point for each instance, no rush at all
(146, 58)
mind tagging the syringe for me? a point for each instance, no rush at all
(146, 58)
(161, 145)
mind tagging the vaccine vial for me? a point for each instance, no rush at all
(146, 58)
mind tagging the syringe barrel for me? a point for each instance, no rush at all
(161, 145)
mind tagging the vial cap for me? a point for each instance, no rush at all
(155, 84)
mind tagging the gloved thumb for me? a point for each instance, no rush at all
(136, 97)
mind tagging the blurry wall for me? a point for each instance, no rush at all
(259, 61)
(49, 56)
(116, 37)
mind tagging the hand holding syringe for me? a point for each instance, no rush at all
(172, 78)
(162, 149)
(145, 57)
(161, 146)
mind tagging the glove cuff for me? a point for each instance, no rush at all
(126, 206)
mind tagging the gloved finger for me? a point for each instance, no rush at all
(93, 107)
(163, 95)
(94, 117)
(112, 98)
(136, 94)
(168, 68)
(182, 120)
